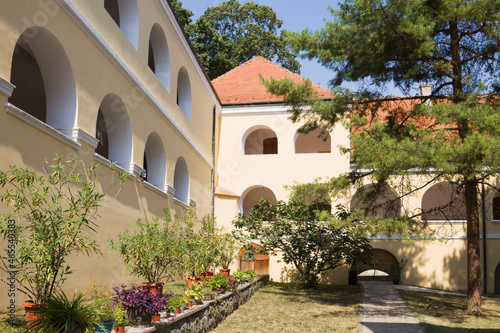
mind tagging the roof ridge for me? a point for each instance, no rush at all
(234, 69)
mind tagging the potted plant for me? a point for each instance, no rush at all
(243, 276)
(44, 234)
(59, 314)
(120, 318)
(226, 252)
(194, 292)
(104, 305)
(151, 251)
(140, 303)
(175, 303)
(217, 283)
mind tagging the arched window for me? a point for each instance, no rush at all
(181, 180)
(113, 131)
(252, 196)
(184, 99)
(383, 202)
(126, 16)
(158, 57)
(44, 80)
(443, 202)
(383, 267)
(262, 140)
(313, 142)
(155, 162)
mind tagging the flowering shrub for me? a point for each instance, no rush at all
(102, 302)
(139, 298)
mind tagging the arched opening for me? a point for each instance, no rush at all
(383, 267)
(126, 15)
(158, 57)
(113, 131)
(443, 202)
(155, 162)
(184, 99)
(383, 202)
(313, 142)
(496, 289)
(251, 197)
(260, 262)
(261, 141)
(44, 80)
(496, 206)
(181, 180)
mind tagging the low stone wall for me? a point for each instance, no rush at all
(205, 317)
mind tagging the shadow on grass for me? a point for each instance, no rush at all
(430, 328)
(344, 296)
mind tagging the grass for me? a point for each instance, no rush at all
(445, 313)
(287, 308)
(18, 325)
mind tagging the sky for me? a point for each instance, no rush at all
(296, 15)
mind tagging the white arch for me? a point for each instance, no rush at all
(119, 132)
(58, 79)
(254, 137)
(128, 13)
(311, 143)
(161, 55)
(181, 180)
(251, 196)
(154, 154)
(184, 98)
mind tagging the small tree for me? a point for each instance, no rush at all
(153, 250)
(310, 244)
(52, 217)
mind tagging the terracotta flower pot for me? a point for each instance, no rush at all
(177, 310)
(153, 287)
(32, 311)
(156, 317)
(190, 304)
(224, 271)
(120, 329)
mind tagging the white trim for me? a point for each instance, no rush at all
(104, 161)
(443, 221)
(155, 189)
(495, 221)
(254, 110)
(37, 123)
(181, 203)
(170, 190)
(6, 87)
(79, 134)
(80, 19)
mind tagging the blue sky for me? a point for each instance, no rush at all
(296, 16)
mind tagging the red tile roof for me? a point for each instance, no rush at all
(219, 190)
(242, 85)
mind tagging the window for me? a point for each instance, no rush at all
(313, 142)
(261, 141)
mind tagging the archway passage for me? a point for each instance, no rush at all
(496, 289)
(181, 180)
(382, 267)
(313, 142)
(260, 262)
(261, 141)
(383, 202)
(252, 198)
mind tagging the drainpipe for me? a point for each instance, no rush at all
(213, 161)
(485, 271)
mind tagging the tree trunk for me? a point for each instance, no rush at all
(473, 261)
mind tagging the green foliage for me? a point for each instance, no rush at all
(226, 249)
(195, 291)
(230, 33)
(311, 245)
(59, 314)
(120, 316)
(183, 14)
(175, 301)
(103, 304)
(152, 250)
(216, 282)
(245, 275)
(52, 217)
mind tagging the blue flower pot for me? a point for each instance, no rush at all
(105, 327)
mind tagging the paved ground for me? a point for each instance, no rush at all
(383, 311)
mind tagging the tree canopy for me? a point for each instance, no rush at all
(450, 135)
(302, 237)
(229, 34)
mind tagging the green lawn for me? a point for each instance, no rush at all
(446, 314)
(286, 308)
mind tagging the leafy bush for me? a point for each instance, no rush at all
(217, 283)
(141, 299)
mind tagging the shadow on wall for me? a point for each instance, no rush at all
(455, 267)
(289, 275)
